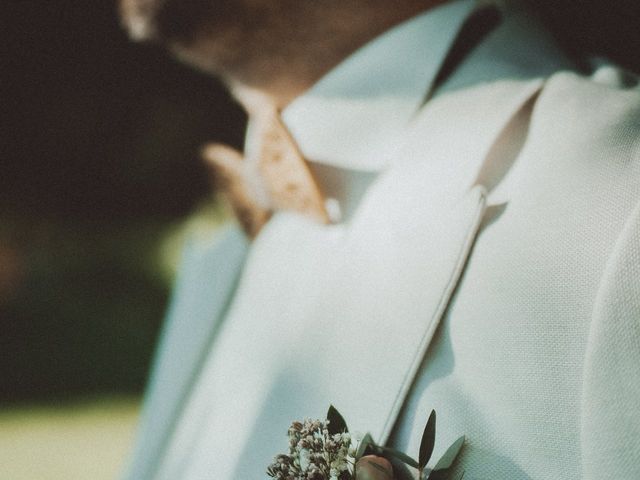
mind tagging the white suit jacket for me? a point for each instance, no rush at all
(487, 266)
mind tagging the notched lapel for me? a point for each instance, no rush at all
(338, 315)
(385, 311)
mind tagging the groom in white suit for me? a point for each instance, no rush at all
(475, 249)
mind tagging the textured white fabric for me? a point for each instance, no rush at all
(350, 117)
(611, 390)
(208, 275)
(518, 363)
(502, 239)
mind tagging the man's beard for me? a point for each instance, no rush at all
(220, 36)
(276, 45)
(247, 41)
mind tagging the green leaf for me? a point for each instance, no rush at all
(336, 421)
(403, 457)
(450, 455)
(428, 441)
(440, 474)
(366, 441)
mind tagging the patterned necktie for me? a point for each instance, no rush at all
(272, 176)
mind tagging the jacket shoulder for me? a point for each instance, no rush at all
(610, 96)
(605, 80)
(600, 112)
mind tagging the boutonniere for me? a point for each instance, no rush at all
(326, 450)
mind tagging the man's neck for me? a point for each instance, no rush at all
(290, 72)
(279, 48)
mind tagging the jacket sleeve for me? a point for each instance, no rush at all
(206, 280)
(610, 412)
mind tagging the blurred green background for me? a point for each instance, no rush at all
(100, 182)
(100, 169)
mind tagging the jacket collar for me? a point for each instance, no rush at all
(353, 111)
(354, 116)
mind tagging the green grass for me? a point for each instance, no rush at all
(80, 441)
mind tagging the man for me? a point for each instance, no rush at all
(463, 234)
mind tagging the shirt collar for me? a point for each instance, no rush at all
(351, 116)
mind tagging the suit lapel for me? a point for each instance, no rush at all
(207, 278)
(405, 253)
(419, 257)
(327, 315)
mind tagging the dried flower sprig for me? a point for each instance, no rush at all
(316, 452)
(325, 450)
